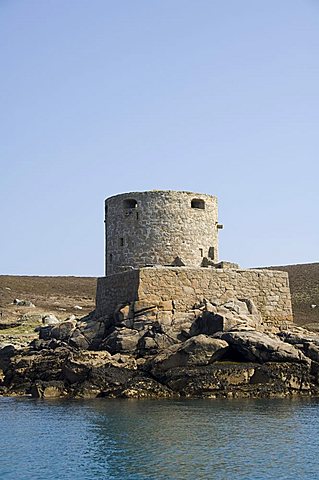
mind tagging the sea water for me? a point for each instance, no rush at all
(159, 439)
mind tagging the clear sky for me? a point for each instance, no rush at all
(100, 97)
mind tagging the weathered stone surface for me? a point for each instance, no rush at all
(199, 350)
(268, 290)
(78, 340)
(239, 380)
(233, 315)
(48, 373)
(45, 332)
(258, 347)
(50, 320)
(299, 336)
(93, 332)
(311, 351)
(6, 353)
(63, 330)
(166, 305)
(123, 312)
(209, 307)
(122, 340)
(152, 342)
(29, 367)
(23, 303)
(144, 387)
(237, 306)
(137, 218)
(51, 389)
(143, 306)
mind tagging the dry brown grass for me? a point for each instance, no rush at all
(56, 295)
(304, 286)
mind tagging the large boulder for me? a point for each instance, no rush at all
(199, 350)
(50, 320)
(6, 353)
(210, 323)
(311, 350)
(27, 367)
(53, 389)
(78, 340)
(44, 332)
(92, 330)
(299, 336)
(259, 347)
(234, 315)
(307, 342)
(152, 342)
(64, 330)
(121, 340)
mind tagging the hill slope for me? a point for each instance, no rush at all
(61, 296)
(304, 286)
(51, 293)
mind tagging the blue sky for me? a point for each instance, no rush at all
(101, 97)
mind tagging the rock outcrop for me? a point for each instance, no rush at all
(213, 350)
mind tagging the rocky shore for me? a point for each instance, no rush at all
(153, 351)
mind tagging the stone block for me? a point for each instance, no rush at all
(123, 313)
(166, 305)
(140, 306)
(164, 317)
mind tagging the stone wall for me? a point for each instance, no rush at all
(155, 227)
(186, 286)
(116, 289)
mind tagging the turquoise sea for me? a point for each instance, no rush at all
(159, 439)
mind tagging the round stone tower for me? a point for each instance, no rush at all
(160, 228)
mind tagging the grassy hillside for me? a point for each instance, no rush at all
(56, 295)
(53, 293)
(304, 286)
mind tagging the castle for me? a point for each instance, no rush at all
(161, 253)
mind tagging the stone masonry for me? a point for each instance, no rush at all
(162, 249)
(185, 287)
(160, 228)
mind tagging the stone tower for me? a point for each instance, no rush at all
(160, 228)
(162, 258)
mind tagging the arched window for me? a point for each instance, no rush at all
(130, 203)
(198, 203)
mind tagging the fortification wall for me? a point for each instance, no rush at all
(120, 288)
(187, 286)
(155, 227)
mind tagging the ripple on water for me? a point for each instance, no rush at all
(161, 439)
